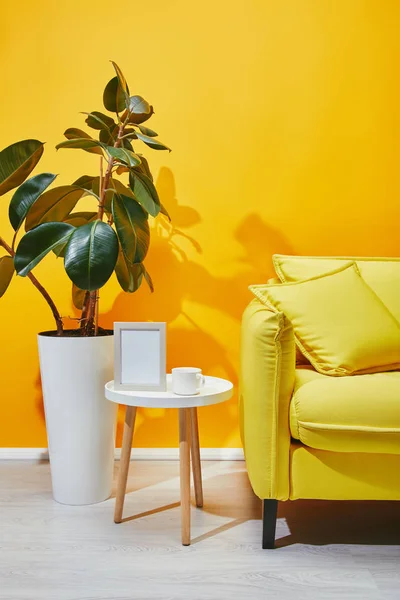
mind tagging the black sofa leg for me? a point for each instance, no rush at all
(270, 509)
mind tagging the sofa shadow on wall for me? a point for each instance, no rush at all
(179, 281)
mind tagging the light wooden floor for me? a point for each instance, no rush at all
(326, 550)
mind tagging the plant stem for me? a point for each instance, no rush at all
(14, 240)
(90, 309)
(101, 173)
(96, 313)
(90, 325)
(41, 289)
(105, 182)
(85, 308)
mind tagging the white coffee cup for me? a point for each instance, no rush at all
(187, 381)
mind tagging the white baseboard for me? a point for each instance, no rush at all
(137, 454)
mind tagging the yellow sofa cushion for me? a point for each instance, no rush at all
(381, 274)
(340, 324)
(347, 414)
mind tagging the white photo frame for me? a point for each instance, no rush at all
(140, 357)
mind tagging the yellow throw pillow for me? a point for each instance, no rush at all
(381, 274)
(339, 323)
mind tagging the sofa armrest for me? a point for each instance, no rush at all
(266, 386)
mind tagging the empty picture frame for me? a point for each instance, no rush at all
(140, 357)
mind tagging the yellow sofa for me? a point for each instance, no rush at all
(309, 435)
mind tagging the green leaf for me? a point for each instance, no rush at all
(17, 161)
(113, 96)
(136, 272)
(131, 133)
(125, 227)
(109, 137)
(136, 119)
(148, 279)
(6, 273)
(91, 255)
(123, 273)
(122, 83)
(129, 276)
(37, 243)
(77, 219)
(152, 142)
(78, 134)
(92, 183)
(139, 218)
(83, 143)
(145, 192)
(26, 195)
(59, 250)
(139, 110)
(164, 212)
(126, 156)
(73, 133)
(119, 188)
(85, 181)
(122, 169)
(144, 167)
(78, 297)
(139, 106)
(127, 144)
(97, 120)
(147, 131)
(53, 205)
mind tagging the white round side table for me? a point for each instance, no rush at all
(214, 391)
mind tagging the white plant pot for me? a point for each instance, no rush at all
(80, 421)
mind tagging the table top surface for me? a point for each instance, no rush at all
(214, 391)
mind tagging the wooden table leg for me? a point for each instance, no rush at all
(184, 458)
(196, 464)
(130, 415)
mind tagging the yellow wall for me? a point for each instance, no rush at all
(284, 123)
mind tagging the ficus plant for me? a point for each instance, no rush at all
(115, 235)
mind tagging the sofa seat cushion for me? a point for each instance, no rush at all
(359, 413)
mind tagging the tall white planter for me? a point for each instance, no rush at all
(80, 421)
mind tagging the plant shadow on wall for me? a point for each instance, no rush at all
(174, 275)
(180, 281)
